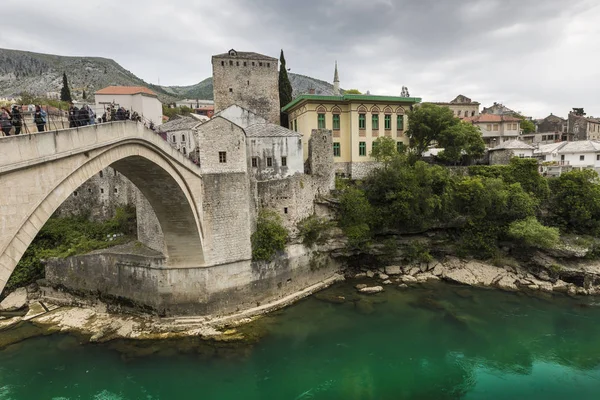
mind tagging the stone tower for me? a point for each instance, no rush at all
(336, 82)
(250, 80)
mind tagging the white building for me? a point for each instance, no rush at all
(274, 152)
(180, 134)
(133, 98)
(561, 157)
(240, 116)
(194, 103)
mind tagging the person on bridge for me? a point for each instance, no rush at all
(5, 123)
(17, 119)
(83, 116)
(39, 118)
(73, 115)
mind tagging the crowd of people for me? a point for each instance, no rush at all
(12, 120)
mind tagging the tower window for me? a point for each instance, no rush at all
(260, 64)
(222, 157)
(254, 162)
(268, 65)
(253, 63)
(237, 63)
(184, 151)
(75, 193)
(183, 138)
(101, 190)
(173, 139)
(248, 83)
(101, 174)
(245, 63)
(285, 210)
(284, 161)
(223, 63)
(230, 90)
(269, 162)
(230, 62)
(116, 190)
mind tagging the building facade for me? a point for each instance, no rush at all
(133, 98)
(356, 121)
(501, 154)
(462, 107)
(496, 129)
(180, 134)
(250, 80)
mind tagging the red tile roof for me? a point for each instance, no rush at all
(492, 118)
(126, 90)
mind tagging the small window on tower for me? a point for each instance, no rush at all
(260, 64)
(223, 63)
(248, 83)
(116, 190)
(101, 174)
(284, 161)
(230, 62)
(101, 190)
(244, 63)
(268, 65)
(285, 210)
(230, 90)
(253, 63)
(269, 162)
(254, 162)
(222, 157)
(75, 193)
(237, 63)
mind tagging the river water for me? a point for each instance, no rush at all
(435, 342)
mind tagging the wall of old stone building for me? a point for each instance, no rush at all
(577, 126)
(501, 157)
(100, 196)
(360, 170)
(249, 83)
(293, 198)
(261, 149)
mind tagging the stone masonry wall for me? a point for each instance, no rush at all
(100, 196)
(252, 84)
(293, 198)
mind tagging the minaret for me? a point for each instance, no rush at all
(336, 82)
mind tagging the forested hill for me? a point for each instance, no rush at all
(36, 73)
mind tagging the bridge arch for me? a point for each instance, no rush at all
(157, 173)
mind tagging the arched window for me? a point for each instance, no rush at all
(472, 113)
(458, 113)
(173, 139)
(183, 150)
(183, 138)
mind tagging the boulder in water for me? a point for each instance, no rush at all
(15, 301)
(371, 290)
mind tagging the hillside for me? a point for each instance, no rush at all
(36, 73)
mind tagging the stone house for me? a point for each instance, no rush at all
(581, 127)
(249, 80)
(462, 106)
(548, 130)
(498, 109)
(180, 134)
(133, 98)
(496, 129)
(502, 153)
(560, 157)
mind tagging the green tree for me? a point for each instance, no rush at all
(531, 233)
(385, 150)
(285, 89)
(352, 91)
(28, 98)
(526, 125)
(426, 123)
(355, 215)
(575, 202)
(65, 92)
(270, 236)
(462, 142)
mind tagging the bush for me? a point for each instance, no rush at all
(416, 251)
(270, 236)
(533, 234)
(313, 230)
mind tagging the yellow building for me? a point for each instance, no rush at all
(356, 120)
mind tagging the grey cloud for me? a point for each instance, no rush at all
(537, 57)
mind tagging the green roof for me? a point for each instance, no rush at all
(350, 97)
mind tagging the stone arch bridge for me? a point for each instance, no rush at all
(202, 242)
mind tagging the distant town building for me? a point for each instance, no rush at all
(502, 153)
(558, 158)
(194, 103)
(462, 107)
(356, 120)
(250, 80)
(133, 98)
(548, 130)
(496, 129)
(498, 109)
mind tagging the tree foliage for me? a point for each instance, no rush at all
(352, 91)
(461, 142)
(65, 92)
(575, 202)
(285, 89)
(385, 150)
(270, 236)
(313, 230)
(356, 214)
(426, 124)
(531, 233)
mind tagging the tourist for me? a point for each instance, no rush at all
(121, 114)
(17, 119)
(83, 116)
(5, 123)
(113, 113)
(39, 118)
(73, 116)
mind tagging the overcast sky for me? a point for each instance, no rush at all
(535, 56)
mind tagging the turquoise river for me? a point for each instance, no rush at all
(433, 342)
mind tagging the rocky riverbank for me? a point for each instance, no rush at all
(584, 278)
